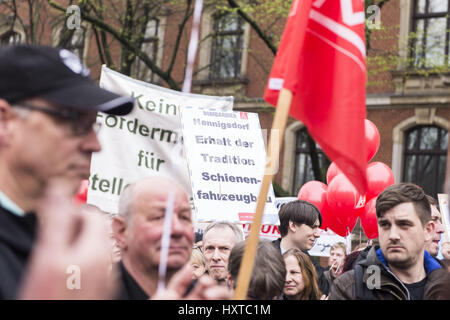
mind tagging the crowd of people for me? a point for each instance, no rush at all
(51, 248)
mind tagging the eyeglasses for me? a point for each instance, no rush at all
(82, 122)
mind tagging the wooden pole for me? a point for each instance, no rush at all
(248, 259)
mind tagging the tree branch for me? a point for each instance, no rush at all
(126, 43)
(187, 15)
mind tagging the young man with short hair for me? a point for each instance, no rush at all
(336, 261)
(299, 228)
(400, 268)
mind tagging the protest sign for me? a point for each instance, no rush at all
(227, 158)
(445, 214)
(143, 143)
(279, 202)
(323, 244)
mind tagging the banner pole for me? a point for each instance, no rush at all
(248, 259)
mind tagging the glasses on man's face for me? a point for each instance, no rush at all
(82, 122)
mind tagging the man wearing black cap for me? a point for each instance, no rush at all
(48, 107)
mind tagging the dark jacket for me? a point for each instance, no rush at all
(348, 287)
(323, 282)
(329, 275)
(17, 236)
(129, 289)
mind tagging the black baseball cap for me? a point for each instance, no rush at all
(56, 75)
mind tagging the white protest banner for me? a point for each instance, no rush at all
(227, 158)
(323, 244)
(445, 214)
(143, 143)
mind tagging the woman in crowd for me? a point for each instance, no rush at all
(197, 263)
(301, 277)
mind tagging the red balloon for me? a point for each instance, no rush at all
(315, 192)
(372, 139)
(337, 227)
(332, 172)
(81, 196)
(379, 176)
(344, 203)
(369, 219)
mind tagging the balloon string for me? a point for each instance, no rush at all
(338, 267)
(349, 240)
(360, 235)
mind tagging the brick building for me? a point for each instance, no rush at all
(408, 100)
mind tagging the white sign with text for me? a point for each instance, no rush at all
(227, 158)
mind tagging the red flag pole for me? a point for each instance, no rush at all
(248, 259)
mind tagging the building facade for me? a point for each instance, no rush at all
(408, 91)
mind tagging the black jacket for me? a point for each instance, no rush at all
(129, 289)
(17, 236)
(323, 282)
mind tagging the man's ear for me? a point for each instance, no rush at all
(4, 108)
(119, 227)
(5, 111)
(292, 226)
(429, 230)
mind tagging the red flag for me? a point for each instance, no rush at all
(322, 60)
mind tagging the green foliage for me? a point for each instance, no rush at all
(279, 191)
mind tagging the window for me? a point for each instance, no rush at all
(431, 24)
(10, 37)
(226, 53)
(425, 158)
(303, 166)
(150, 46)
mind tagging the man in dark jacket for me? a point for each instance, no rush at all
(299, 228)
(48, 109)
(400, 268)
(138, 230)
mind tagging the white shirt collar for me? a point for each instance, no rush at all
(9, 205)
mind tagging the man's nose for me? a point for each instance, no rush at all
(177, 227)
(90, 142)
(439, 228)
(216, 255)
(394, 233)
(316, 233)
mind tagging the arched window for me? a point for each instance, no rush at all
(303, 165)
(425, 156)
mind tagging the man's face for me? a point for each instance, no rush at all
(44, 146)
(305, 236)
(145, 228)
(433, 246)
(402, 236)
(217, 245)
(336, 261)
